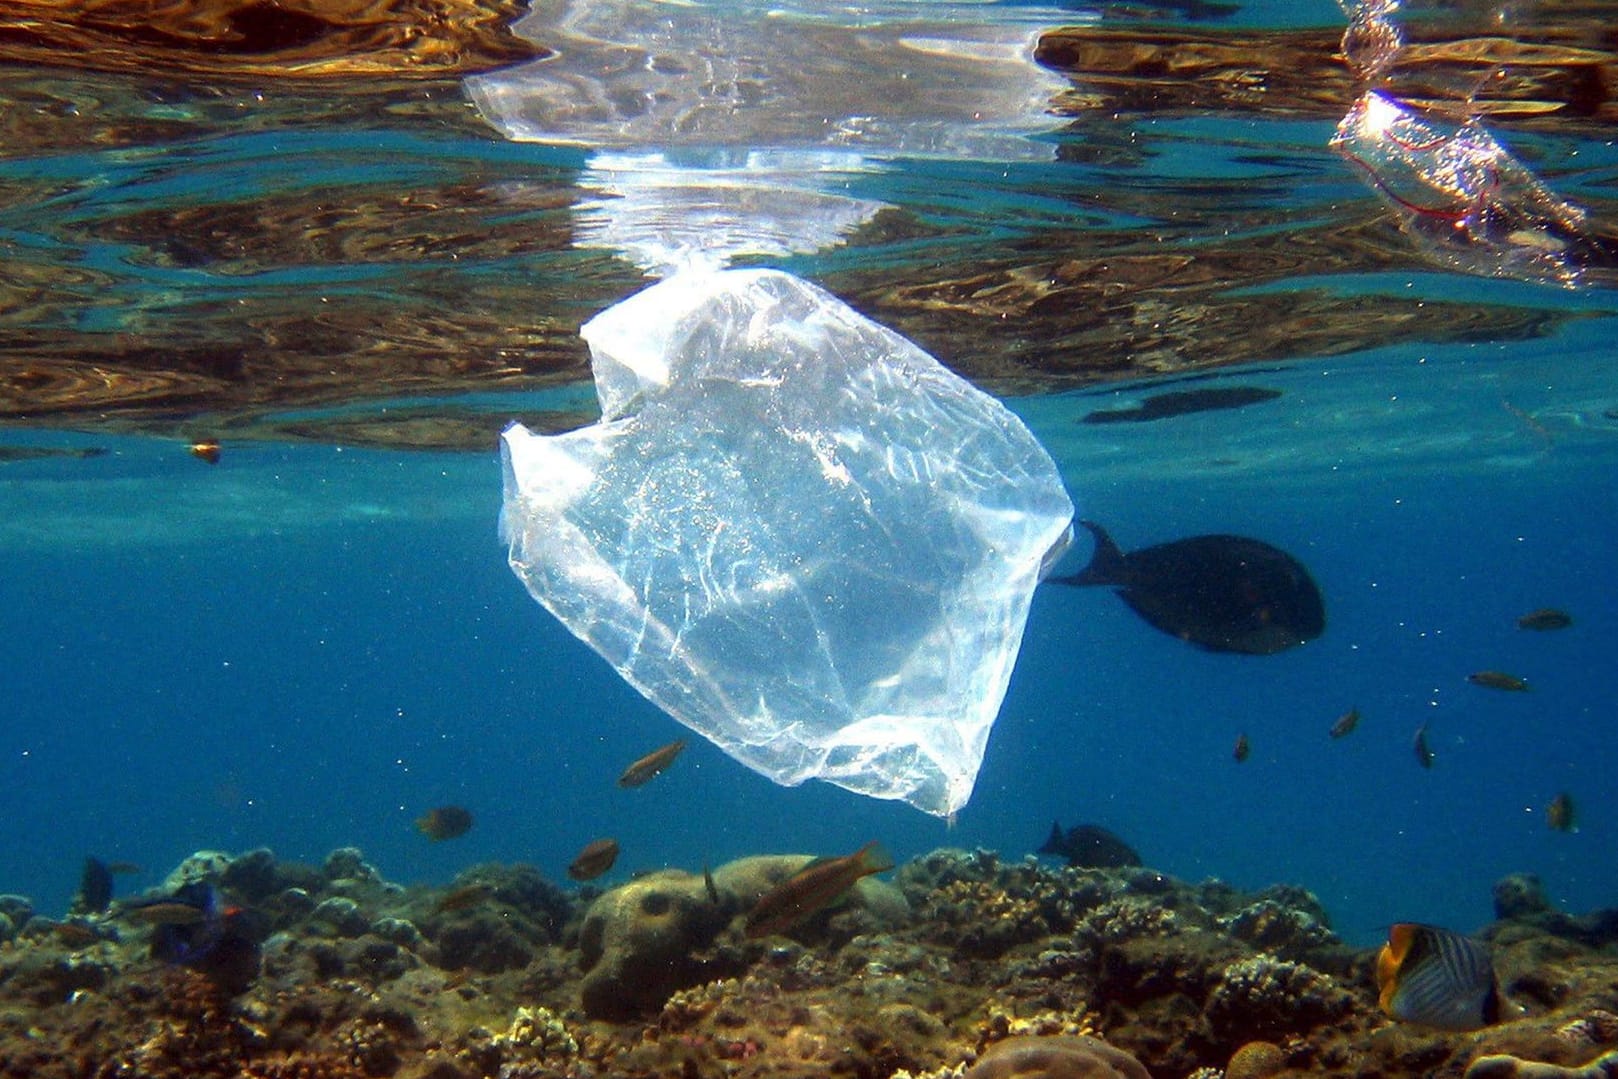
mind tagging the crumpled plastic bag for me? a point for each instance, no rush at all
(1463, 198)
(793, 530)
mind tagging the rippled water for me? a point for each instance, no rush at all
(354, 285)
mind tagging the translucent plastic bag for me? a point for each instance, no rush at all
(1464, 199)
(793, 530)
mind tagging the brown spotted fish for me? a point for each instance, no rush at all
(643, 770)
(813, 888)
(1498, 680)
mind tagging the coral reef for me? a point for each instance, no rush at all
(1255, 1060)
(964, 965)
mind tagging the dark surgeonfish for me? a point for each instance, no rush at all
(95, 887)
(1161, 406)
(1090, 846)
(1221, 593)
(1436, 978)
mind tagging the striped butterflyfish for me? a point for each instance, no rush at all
(1436, 978)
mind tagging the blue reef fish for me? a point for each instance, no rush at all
(1436, 978)
(1221, 593)
(195, 928)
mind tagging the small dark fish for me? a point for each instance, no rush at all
(595, 859)
(813, 888)
(708, 883)
(1559, 814)
(1545, 618)
(467, 895)
(1436, 978)
(1243, 749)
(95, 887)
(1424, 755)
(1090, 846)
(1161, 406)
(206, 451)
(650, 765)
(1498, 680)
(43, 453)
(124, 869)
(445, 822)
(1221, 593)
(1345, 724)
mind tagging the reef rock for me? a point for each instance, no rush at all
(1058, 1057)
(1510, 1067)
(637, 943)
(1520, 895)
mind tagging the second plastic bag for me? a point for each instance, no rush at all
(794, 531)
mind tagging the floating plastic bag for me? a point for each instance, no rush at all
(1463, 198)
(794, 531)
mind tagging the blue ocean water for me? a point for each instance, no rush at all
(308, 646)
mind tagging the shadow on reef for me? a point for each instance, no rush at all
(504, 974)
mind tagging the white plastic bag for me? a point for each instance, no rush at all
(794, 531)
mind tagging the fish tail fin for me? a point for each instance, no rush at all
(1106, 564)
(874, 858)
(1053, 845)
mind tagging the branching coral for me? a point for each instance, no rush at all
(1266, 995)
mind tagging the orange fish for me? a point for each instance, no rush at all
(1545, 618)
(1243, 748)
(650, 765)
(445, 822)
(467, 895)
(1559, 814)
(206, 451)
(1498, 680)
(595, 859)
(813, 888)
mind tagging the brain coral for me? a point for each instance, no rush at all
(1255, 1060)
(1060, 1057)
